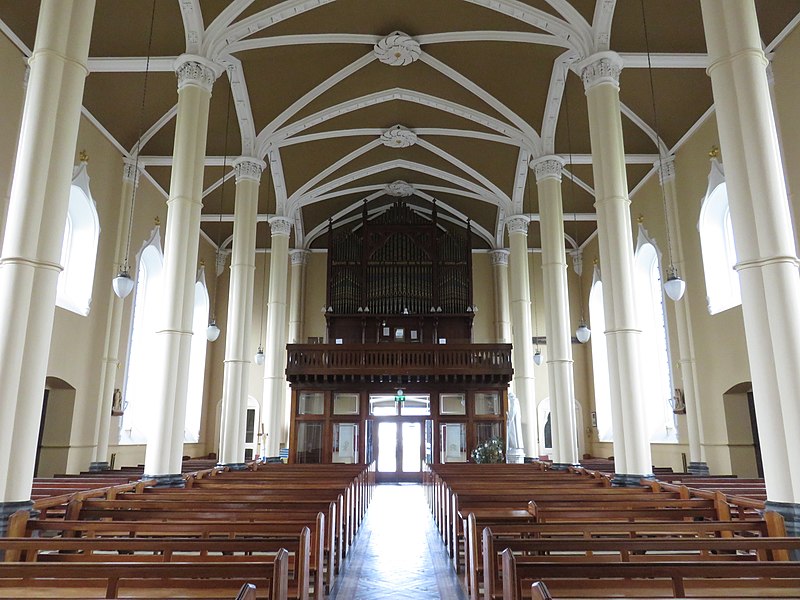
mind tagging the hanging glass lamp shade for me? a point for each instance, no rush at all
(537, 357)
(122, 283)
(259, 358)
(583, 333)
(212, 332)
(674, 286)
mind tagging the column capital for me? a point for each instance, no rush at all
(600, 68)
(666, 168)
(299, 256)
(499, 256)
(280, 226)
(517, 224)
(196, 70)
(248, 168)
(547, 167)
(130, 171)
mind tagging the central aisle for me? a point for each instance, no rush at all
(398, 553)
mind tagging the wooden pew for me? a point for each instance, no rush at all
(166, 550)
(143, 580)
(654, 579)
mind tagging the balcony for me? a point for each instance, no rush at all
(399, 363)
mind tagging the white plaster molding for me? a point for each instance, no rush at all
(241, 103)
(131, 64)
(517, 224)
(303, 39)
(397, 49)
(248, 168)
(665, 168)
(520, 37)
(196, 70)
(130, 171)
(499, 256)
(548, 167)
(601, 23)
(192, 17)
(601, 68)
(520, 181)
(420, 131)
(555, 96)
(400, 189)
(398, 137)
(219, 26)
(666, 60)
(280, 226)
(299, 256)
(658, 142)
(273, 158)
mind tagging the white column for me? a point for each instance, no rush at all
(275, 350)
(299, 259)
(108, 372)
(37, 212)
(521, 331)
(600, 74)
(502, 320)
(556, 301)
(765, 247)
(165, 439)
(683, 322)
(238, 349)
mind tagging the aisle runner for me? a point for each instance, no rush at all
(398, 553)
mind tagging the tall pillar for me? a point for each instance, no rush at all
(240, 313)
(275, 350)
(556, 300)
(299, 258)
(502, 320)
(108, 372)
(165, 439)
(37, 212)
(683, 318)
(765, 247)
(632, 458)
(521, 331)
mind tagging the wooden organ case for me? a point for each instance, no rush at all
(399, 277)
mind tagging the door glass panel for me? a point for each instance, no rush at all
(429, 441)
(453, 442)
(412, 440)
(382, 405)
(387, 447)
(345, 404)
(485, 431)
(250, 427)
(416, 406)
(311, 403)
(345, 443)
(368, 448)
(452, 404)
(309, 442)
(487, 403)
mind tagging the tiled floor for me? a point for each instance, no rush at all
(398, 553)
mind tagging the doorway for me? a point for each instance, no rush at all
(402, 432)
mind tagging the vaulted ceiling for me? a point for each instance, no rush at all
(344, 97)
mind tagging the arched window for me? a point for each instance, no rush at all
(139, 383)
(716, 242)
(602, 395)
(654, 345)
(79, 248)
(197, 362)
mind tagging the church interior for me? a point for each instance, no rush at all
(390, 238)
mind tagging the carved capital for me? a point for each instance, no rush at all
(397, 49)
(547, 167)
(280, 226)
(195, 70)
(666, 169)
(248, 168)
(517, 224)
(600, 68)
(499, 257)
(299, 256)
(130, 172)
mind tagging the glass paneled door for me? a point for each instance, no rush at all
(400, 449)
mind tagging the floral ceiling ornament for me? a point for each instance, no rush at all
(400, 189)
(398, 137)
(397, 49)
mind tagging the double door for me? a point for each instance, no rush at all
(400, 449)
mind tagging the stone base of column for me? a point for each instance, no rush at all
(562, 466)
(698, 468)
(170, 481)
(96, 467)
(9, 508)
(515, 456)
(235, 466)
(630, 480)
(791, 519)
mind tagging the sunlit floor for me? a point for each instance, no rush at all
(398, 552)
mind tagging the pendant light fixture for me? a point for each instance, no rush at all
(123, 283)
(582, 333)
(674, 286)
(213, 331)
